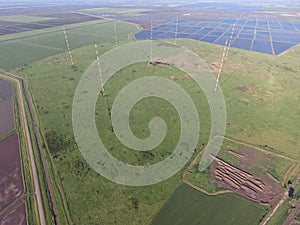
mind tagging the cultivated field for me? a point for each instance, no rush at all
(7, 122)
(11, 184)
(199, 208)
(17, 216)
(6, 89)
(27, 47)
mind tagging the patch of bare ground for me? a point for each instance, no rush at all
(11, 183)
(17, 216)
(7, 122)
(235, 154)
(242, 179)
(242, 88)
(6, 89)
(244, 183)
(215, 67)
(272, 177)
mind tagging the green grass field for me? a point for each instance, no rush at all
(61, 82)
(259, 115)
(188, 206)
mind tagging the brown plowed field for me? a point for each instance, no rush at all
(7, 122)
(17, 216)
(6, 89)
(11, 183)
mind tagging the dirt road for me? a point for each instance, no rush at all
(285, 196)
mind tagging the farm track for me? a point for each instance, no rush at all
(260, 149)
(288, 172)
(268, 218)
(293, 214)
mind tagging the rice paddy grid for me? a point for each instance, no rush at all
(259, 30)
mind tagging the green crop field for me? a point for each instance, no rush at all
(18, 54)
(188, 206)
(33, 46)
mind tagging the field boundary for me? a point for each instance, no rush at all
(194, 162)
(53, 169)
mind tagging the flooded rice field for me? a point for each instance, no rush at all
(7, 122)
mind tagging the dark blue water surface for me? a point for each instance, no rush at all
(252, 33)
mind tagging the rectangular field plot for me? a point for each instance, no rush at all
(221, 41)
(280, 47)
(17, 54)
(54, 39)
(189, 206)
(257, 29)
(16, 216)
(286, 37)
(262, 37)
(11, 183)
(28, 49)
(6, 89)
(262, 46)
(7, 122)
(242, 43)
(209, 38)
(24, 19)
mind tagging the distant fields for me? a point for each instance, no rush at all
(31, 47)
(121, 11)
(188, 206)
(24, 19)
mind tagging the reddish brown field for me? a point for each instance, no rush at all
(11, 183)
(7, 122)
(239, 179)
(6, 89)
(17, 216)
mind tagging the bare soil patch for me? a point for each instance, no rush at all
(6, 89)
(242, 88)
(17, 216)
(241, 179)
(7, 122)
(215, 67)
(11, 183)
